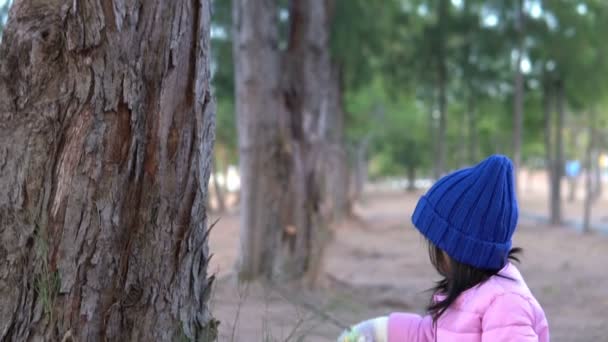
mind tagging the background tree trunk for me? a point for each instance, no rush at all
(589, 167)
(411, 178)
(306, 89)
(336, 158)
(442, 84)
(548, 100)
(518, 99)
(433, 133)
(558, 164)
(358, 176)
(219, 192)
(265, 151)
(463, 148)
(472, 130)
(106, 136)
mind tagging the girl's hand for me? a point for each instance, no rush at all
(351, 336)
(374, 330)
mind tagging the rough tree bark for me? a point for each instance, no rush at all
(265, 152)
(106, 135)
(518, 98)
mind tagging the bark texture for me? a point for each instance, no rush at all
(106, 137)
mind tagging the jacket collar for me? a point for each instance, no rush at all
(508, 271)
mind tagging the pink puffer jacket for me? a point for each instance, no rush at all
(498, 310)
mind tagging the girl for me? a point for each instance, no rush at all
(468, 219)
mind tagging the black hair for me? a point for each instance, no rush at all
(457, 278)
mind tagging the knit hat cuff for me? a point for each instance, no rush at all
(462, 248)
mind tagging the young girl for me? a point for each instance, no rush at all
(468, 219)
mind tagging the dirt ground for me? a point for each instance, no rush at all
(379, 264)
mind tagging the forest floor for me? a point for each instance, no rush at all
(379, 264)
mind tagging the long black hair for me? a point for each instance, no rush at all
(457, 278)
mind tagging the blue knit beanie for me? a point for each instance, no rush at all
(471, 214)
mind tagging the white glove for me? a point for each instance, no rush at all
(373, 330)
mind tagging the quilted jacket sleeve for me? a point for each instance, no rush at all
(509, 317)
(407, 327)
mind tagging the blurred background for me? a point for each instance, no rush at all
(426, 87)
(334, 116)
(403, 91)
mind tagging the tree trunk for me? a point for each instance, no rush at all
(336, 158)
(518, 100)
(306, 90)
(470, 122)
(219, 192)
(106, 137)
(433, 134)
(547, 109)
(597, 175)
(589, 167)
(282, 120)
(442, 83)
(411, 178)
(441, 139)
(472, 130)
(358, 176)
(572, 182)
(265, 152)
(558, 164)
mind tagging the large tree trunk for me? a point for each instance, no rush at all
(558, 161)
(518, 98)
(106, 136)
(306, 87)
(265, 151)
